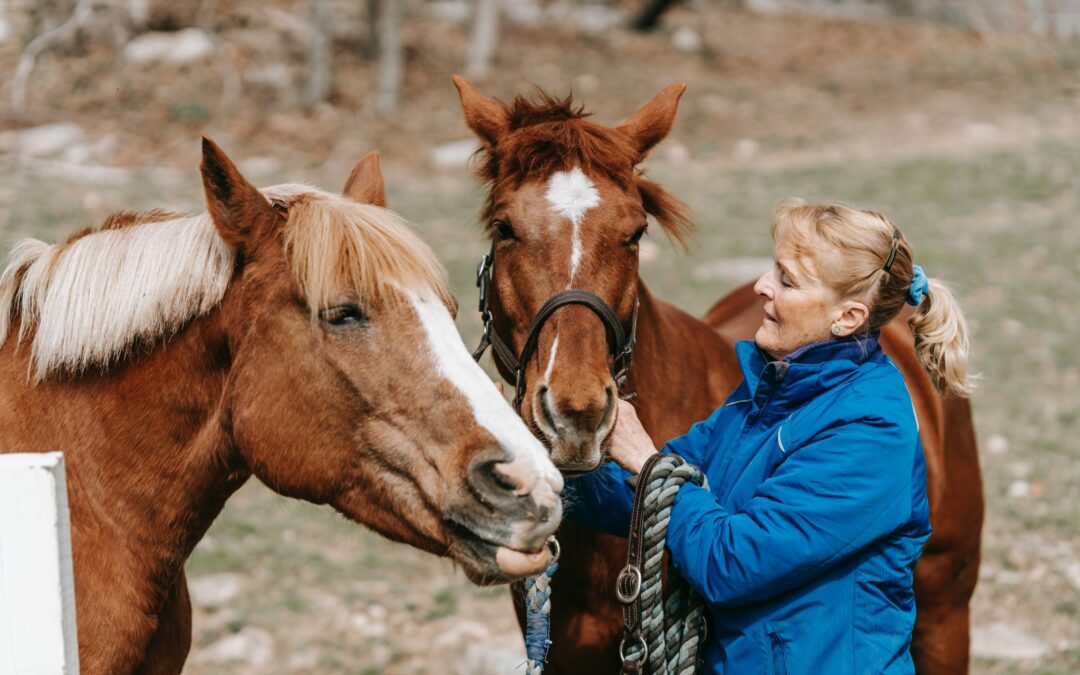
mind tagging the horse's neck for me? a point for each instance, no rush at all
(149, 460)
(682, 369)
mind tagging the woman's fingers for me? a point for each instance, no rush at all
(630, 443)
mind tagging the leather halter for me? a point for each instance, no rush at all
(620, 342)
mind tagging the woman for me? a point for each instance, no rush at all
(804, 541)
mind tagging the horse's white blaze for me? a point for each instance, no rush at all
(531, 464)
(551, 359)
(571, 194)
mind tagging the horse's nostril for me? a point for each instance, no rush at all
(502, 480)
(545, 410)
(491, 478)
(609, 408)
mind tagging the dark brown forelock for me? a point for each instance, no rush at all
(548, 135)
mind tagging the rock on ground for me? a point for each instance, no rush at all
(185, 46)
(42, 141)
(252, 646)
(1001, 641)
(453, 155)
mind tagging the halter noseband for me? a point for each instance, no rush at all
(620, 343)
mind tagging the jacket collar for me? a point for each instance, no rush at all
(805, 372)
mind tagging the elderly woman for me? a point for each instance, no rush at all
(804, 541)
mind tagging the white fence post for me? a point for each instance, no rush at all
(37, 591)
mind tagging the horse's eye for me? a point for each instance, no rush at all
(633, 240)
(343, 315)
(504, 230)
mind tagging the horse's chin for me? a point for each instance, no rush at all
(487, 563)
(576, 461)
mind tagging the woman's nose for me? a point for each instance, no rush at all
(762, 286)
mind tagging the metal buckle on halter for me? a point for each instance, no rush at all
(641, 641)
(482, 280)
(556, 549)
(631, 575)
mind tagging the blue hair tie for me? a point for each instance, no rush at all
(920, 285)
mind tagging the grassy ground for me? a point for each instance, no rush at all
(972, 149)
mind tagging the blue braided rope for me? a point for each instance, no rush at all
(538, 619)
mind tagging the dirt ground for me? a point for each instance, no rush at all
(971, 145)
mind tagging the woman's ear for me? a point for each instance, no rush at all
(853, 315)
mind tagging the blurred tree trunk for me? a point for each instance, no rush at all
(483, 39)
(371, 49)
(390, 58)
(319, 53)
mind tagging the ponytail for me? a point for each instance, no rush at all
(941, 340)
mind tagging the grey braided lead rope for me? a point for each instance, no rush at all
(672, 630)
(538, 613)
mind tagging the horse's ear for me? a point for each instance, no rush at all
(652, 123)
(485, 116)
(236, 206)
(365, 183)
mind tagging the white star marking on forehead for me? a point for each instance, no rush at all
(571, 194)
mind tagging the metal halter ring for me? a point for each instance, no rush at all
(640, 640)
(632, 575)
(556, 550)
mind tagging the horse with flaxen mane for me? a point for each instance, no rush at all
(299, 336)
(566, 208)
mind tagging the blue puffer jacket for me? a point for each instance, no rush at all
(805, 542)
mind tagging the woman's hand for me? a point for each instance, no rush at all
(630, 445)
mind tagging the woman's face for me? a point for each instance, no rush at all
(799, 308)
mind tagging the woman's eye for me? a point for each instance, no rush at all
(504, 230)
(633, 240)
(784, 281)
(343, 315)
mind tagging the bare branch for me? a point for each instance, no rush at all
(484, 38)
(391, 70)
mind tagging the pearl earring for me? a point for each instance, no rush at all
(836, 329)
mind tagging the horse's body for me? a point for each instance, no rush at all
(683, 368)
(308, 342)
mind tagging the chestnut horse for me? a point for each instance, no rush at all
(303, 337)
(565, 210)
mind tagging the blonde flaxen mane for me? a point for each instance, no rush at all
(91, 300)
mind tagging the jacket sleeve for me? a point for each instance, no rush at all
(844, 489)
(601, 500)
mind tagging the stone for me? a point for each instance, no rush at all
(252, 646)
(649, 252)
(1071, 572)
(676, 152)
(686, 40)
(452, 155)
(214, 590)
(450, 11)
(1019, 489)
(997, 444)
(178, 47)
(1001, 641)
(45, 140)
(524, 12)
(745, 149)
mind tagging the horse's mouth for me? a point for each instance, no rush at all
(488, 561)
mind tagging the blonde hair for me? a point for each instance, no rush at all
(862, 242)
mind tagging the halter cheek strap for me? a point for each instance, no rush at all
(620, 342)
